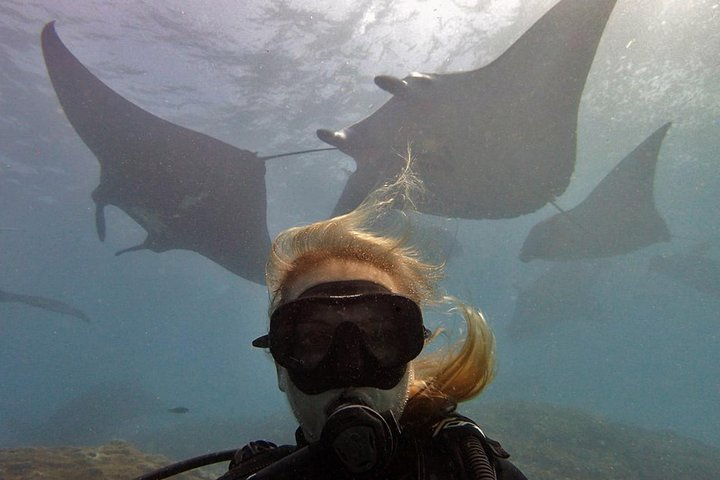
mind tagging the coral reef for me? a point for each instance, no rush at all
(113, 461)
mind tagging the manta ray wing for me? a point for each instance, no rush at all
(186, 189)
(619, 215)
(496, 142)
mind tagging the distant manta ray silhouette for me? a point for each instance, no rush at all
(697, 271)
(95, 415)
(44, 303)
(563, 293)
(496, 142)
(619, 216)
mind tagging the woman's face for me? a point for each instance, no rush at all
(311, 411)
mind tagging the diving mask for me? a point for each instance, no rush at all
(345, 334)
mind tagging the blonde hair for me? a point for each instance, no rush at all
(443, 378)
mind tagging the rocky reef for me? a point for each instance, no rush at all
(549, 442)
(113, 461)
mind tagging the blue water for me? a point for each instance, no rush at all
(263, 78)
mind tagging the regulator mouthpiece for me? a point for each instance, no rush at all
(362, 440)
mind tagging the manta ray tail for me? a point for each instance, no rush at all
(131, 249)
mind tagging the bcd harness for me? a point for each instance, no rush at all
(453, 447)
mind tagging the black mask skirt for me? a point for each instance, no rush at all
(343, 334)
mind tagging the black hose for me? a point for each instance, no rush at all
(189, 464)
(476, 461)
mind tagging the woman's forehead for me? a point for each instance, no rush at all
(338, 270)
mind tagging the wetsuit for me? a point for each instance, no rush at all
(449, 448)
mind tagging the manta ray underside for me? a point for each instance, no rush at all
(186, 189)
(496, 142)
(618, 217)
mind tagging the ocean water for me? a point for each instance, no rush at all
(174, 329)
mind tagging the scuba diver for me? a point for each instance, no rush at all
(346, 333)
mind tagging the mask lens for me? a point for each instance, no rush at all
(301, 335)
(302, 332)
(393, 330)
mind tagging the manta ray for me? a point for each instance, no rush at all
(697, 271)
(618, 217)
(495, 142)
(186, 189)
(95, 415)
(563, 293)
(45, 303)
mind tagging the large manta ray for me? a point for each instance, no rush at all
(496, 142)
(187, 190)
(619, 215)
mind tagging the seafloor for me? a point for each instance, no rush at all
(115, 460)
(549, 442)
(546, 442)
